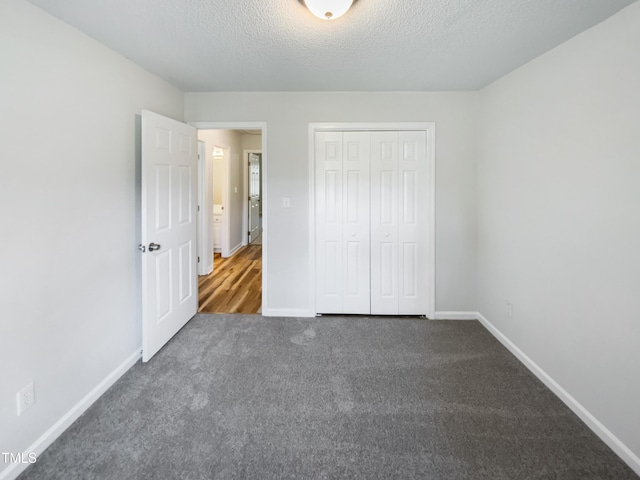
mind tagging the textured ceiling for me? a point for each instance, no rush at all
(277, 45)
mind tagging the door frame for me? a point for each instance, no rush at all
(262, 126)
(430, 129)
(205, 205)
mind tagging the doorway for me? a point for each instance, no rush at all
(254, 186)
(229, 186)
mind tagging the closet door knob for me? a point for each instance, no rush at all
(153, 247)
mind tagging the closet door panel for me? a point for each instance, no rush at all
(355, 232)
(412, 224)
(329, 220)
(384, 223)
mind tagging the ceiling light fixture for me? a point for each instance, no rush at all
(218, 152)
(328, 9)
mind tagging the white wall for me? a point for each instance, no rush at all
(287, 163)
(559, 218)
(252, 142)
(218, 174)
(231, 139)
(68, 206)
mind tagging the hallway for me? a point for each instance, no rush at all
(235, 286)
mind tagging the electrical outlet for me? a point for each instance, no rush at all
(509, 310)
(25, 398)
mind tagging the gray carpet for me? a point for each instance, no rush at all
(246, 397)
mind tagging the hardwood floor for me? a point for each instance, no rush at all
(235, 286)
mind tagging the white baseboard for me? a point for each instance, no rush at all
(443, 315)
(592, 422)
(293, 312)
(287, 312)
(235, 249)
(48, 437)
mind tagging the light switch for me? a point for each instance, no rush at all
(235, 189)
(286, 202)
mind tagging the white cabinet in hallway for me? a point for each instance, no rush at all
(372, 208)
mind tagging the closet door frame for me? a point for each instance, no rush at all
(429, 128)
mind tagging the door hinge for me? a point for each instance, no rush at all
(198, 259)
(198, 207)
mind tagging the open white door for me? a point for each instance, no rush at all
(169, 229)
(254, 196)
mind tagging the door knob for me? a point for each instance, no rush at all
(153, 247)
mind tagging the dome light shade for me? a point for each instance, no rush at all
(328, 9)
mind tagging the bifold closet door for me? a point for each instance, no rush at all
(399, 199)
(342, 176)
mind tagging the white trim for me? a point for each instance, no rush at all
(263, 199)
(200, 209)
(429, 128)
(228, 125)
(444, 315)
(431, 162)
(624, 452)
(287, 312)
(265, 191)
(205, 219)
(312, 219)
(235, 249)
(372, 127)
(48, 437)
